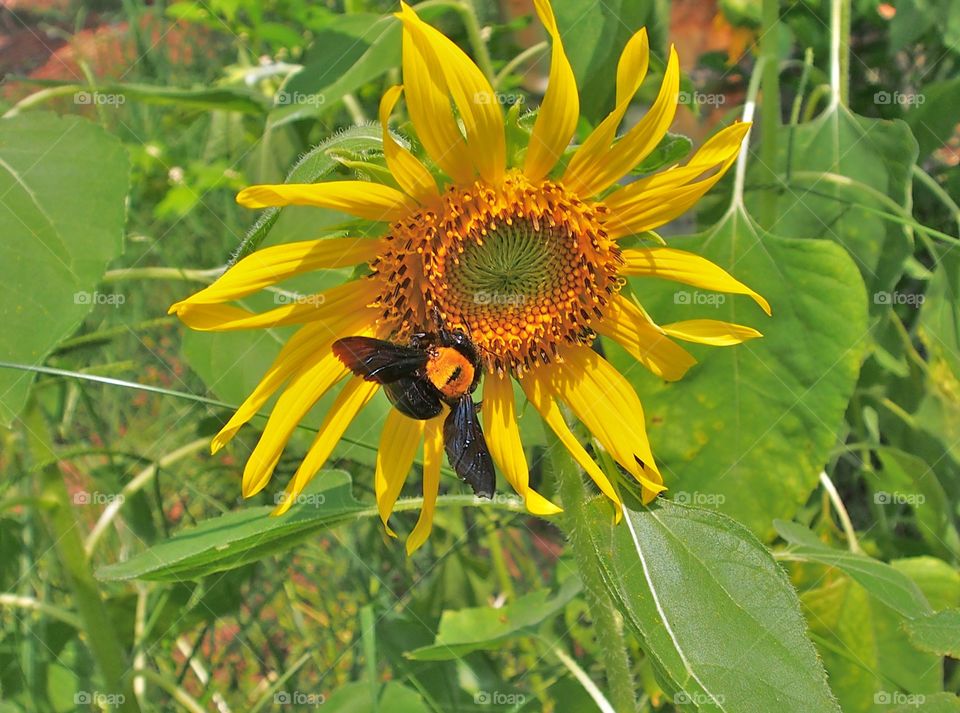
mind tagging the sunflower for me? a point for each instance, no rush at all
(525, 259)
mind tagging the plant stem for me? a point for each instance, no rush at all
(607, 620)
(65, 533)
(472, 24)
(769, 109)
(514, 63)
(842, 513)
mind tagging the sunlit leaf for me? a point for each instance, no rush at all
(63, 183)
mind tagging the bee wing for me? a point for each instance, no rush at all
(378, 360)
(467, 449)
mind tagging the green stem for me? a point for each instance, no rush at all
(607, 620)
(514, 63)
(65, 533)
(769, 109)
(472, 24)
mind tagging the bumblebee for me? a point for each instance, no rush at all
(434, 369)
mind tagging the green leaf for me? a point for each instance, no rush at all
(933, 122)
(672, 149)
(355, 698)
(940, 313)
(484, 628)
(63, 182)
(939, 582)
(937, 633)
(868, 657)
(594, 36)
(905, 478)
(875, 153)
(347, 52)
(224, 98)
(712, 608)
(240, 537)
(880, 579)
(749, 428)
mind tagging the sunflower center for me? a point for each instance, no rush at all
(523, 269)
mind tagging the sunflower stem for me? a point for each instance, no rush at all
(769, 109)
(607, 620)
(468, 12)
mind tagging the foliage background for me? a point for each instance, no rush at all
(832, 443)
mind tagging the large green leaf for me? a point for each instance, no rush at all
(348, 52)
(63, 182)
(874, 153)
(467, 630)
(594, 35)
(937, 633)
(240, 537)
(748, 429)
(882, 581)
(712, 608)
(867, 654)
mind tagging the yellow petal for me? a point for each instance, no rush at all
(413, 176)
(355, 395)
(711, 331)
(538, 394)
(303, 391)
(610, 166)
(560, 109)
(608, 406)
(650, 202)
(718, 150)
(329, 306)
(429, 107)
(688, 268)
(300, 351)
(503, 440)
(432, 456)
(398, 446)
(631, 70)
(277, 263)
(373, 201)
(460, 79)
(636, 332)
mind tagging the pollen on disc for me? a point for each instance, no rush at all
(522, 269)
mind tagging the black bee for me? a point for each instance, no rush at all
(434, 369)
